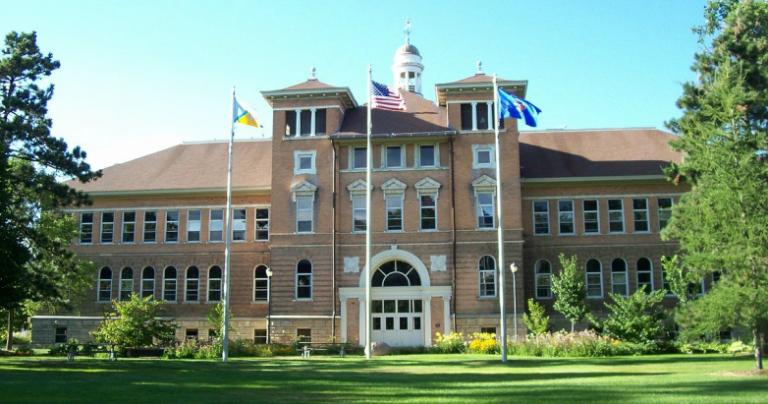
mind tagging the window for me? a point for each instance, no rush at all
(359, 158)
(488, 330)
(482, 115)
(483, 156)
(304, 162)
(147, 282)
(126, 283)
(619, 277)
(320, 116)
(150, 226)
(645, 274)
(304, 334)
(214, 284)
(193, 225)
(262, 224)
(107, 226)
(427, 155)
(466, 117)
(171, 226)
(290, 123)
(169, 284)
(591, 216)
(615, 216)
(105, 285)
(477, 115)
(394, 212)
(358, 213)
(260, 336)
(594, 281)
(129, 227)
(541, 217)
(486, 210)
(216, 225)
(238, 224)
(396, 273)
(565, 217)
(543, 279)
(696, 288)
(304, 280)
(640, 215)
(190, 334)
(665, 212)
(487, 273)
(394, 156)
(305, 122)
(60, 335)
(192, 285)
(305, 213)
(260, 284)
(428, 212)
(86, 228)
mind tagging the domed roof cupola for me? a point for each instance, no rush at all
(406, 66)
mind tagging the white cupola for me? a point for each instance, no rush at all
(406, 66)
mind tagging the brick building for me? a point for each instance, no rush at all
(156, 224)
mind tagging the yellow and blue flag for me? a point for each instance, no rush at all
(243, 114)
(518, 108)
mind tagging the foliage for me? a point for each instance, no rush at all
(134, 323)
(483, 343)
(570, 292)
(575, 344)
(450, 343)
(637, 318)
(722, 223)
(536, 319)
(192, 349)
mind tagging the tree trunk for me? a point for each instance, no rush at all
(9, 342)
(573, 326)
(758, 349)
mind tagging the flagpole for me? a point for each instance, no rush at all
(228, 242)
(368, 223)
(500, 223)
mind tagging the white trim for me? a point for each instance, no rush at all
(400, 255)
(311, 281)
(584, 217)
(210, 227)
(139, 192)
(98, 284)
(199, 224)
(483, 147)
(536, 275)
(385, 159)
(175, 285)
(593, 179)
(480, 278)
(256, 224)
(298, 155)
(178, 226)
(573, 218)
(208, 288)
(141, 281)
(586, 277)
(623, 218)
(533, 216)
(351, 160)
(299, 316)
(434, 195)
(244, 222)
(297, 196)
(604, 196)
(647, 216)
(659, 210)
(253, 291)
(649, 272)
(122, 226)
(101, 226)
(80, 225)
(435, 155)
(626, 276)
(186, 282)
(120, 282)
(310, 107)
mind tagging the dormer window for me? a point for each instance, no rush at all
(305, 122)
(394, 156)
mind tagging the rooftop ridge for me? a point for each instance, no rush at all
(217, 141)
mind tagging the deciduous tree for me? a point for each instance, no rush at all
(569, 290)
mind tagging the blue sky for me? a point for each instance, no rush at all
(140, 76)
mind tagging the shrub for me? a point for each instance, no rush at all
(451, 343)
(191, 349)
(576, 344)
(483, 343)
(134, 323)
(637, 318)
(536, 320)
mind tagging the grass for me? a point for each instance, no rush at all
(412, 378)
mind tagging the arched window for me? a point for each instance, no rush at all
(105, 285)
(260, 284)
(148, 282)
(304, 280)
(396, 273)
(594, 279)
(619, 277)
(214, 284)
(169, 284)
(543, 279)
(193, 284)
(645, 274)
(126, 283)
(487, 271)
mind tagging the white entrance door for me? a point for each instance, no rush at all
(398, 322)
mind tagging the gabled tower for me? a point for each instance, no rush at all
(406, 66)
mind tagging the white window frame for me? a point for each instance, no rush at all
(194, 225)
(144, 227)
(353, 158)
(534, 213)
(476, 148)
(626, 277)
(83, 225)
(219, 225)
(659, 210)
(649, 272)
(394, 196)
(104, 281)
(311, 280)
(210, 286)
(298, 155)
(168, 222)
(599, 273)
(385, 156)
(537, 275)
(143, 279)
(255, 288)
(175, 280)
(560, 216)
(123, 224)
(261, 222)
(584, 212)
(421, 210)
(240, 225)
(311, 210)
(478, 211)
(102, 225)
(361, 202)
(623, 219)
(647, 216)
(481, 272)
(120, 284)
(186, 284)
(435, 155)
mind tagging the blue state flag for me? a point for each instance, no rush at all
(515, 107)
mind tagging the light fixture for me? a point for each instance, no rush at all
(269, 272)
(513, 267)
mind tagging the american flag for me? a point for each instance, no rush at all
(384, 98)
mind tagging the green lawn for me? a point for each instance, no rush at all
(414, 378)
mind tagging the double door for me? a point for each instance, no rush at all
(398, 322)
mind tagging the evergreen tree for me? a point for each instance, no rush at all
(570, 292)
(722, 223)
(536, 320)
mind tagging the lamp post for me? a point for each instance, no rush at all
(269, 306)
(513, 269)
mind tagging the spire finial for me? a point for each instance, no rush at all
(479, 67)
(407, 31)
(313, 73)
